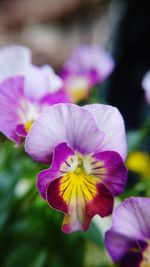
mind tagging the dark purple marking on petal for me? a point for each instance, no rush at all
(20, 130)
(124, 249)
(54, 198)
(61, 153)
(116, 174)
(134, 258)
(102, 203)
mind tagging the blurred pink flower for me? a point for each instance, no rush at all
(88, 66)
(25, 90)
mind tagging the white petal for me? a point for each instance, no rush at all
(40, 81)
(63, 123)
(54, 81)
(14, 60)
(110, 121)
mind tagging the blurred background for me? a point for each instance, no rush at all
(29, 230)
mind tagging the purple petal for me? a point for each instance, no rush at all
(61, 153)
(11, 91)
(117, 244)
(146, 86)
(14, 60)
(40, 81)
(20, 130)
(127, 240)
(132, 218)
(90, 58)
(63, 123)
(124, 250)
(59, 97)
(110, 121)
(115, 176)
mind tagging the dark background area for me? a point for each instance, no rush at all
(132, 54)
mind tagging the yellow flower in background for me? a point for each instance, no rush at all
(139, 162)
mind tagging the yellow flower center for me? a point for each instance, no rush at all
(80, 176)
(79, 179)
(77, 88)
(28, 126)
(28, 113)
(78, 170)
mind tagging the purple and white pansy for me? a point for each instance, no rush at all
(128, 241)
(88, 66)
(86, 148)
(25, 90)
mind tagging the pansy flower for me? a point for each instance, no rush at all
(88, 66)
(146, 86)
(39, 81)
(128, 241)
(23, 98)
(87, 147)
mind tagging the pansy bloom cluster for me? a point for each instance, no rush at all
(84, 147)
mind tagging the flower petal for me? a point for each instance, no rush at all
(115, 175)
(132, 218)
(8, 55)
(59, 97)
(80, 200)
(54, 81)
(123, 249)
(61, 153)
(63, 123)
(40, 81)
(20, 130)
(110, 121)
(90, 58)
(146, 86)
(102, 204)
(117, 244)
(11, 91)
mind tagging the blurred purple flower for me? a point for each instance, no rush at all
(88, 66)
(39, 81)
(146, 86)
(25, 90)
(88, 146)
(128, 241)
